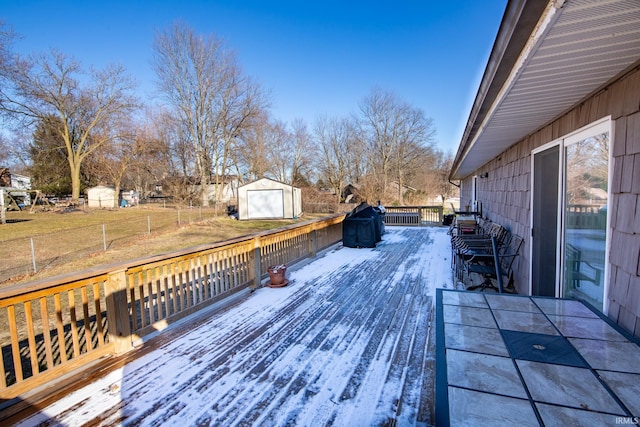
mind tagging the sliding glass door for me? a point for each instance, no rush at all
(570, 187)
(585, 198)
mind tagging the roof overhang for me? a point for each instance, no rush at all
(547, 58)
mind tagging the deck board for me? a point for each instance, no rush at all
(348, 342)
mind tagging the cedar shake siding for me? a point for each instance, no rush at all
(563, 74)
(506, 192)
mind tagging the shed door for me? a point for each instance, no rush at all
(265, 204)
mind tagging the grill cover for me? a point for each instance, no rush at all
(362, 227)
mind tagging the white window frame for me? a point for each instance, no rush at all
(599, 126)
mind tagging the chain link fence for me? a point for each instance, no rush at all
(23, 256)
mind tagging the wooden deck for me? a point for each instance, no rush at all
(349, 342)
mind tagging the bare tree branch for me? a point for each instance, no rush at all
(48, 89)
(201, 80)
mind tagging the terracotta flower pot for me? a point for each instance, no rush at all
(277, 275)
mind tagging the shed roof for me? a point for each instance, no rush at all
(266, 179)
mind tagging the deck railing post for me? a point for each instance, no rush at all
(313, 243)
(257, 265)
(118, 311)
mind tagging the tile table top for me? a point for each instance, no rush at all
(519, 360)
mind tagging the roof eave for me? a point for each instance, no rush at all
(519, 20)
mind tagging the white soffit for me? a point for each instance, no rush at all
(585, 43)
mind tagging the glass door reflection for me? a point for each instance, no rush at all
(585, 218)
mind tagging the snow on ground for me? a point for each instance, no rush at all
(344, 344)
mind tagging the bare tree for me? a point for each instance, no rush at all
(587, 168)
(398, 135)
(4, 151)
(168, 160)
(443, 187)
(432, 179)
(135, 148)
(214, 101)
(304, 152)
(7, 36)
(378, 128)
(250, 156)
(279, 151)
(413, 148)
(271, 148)
(170, 130)
(333, 136)
(81, 107)
(244, 103)
(153, 163)
(358, 165)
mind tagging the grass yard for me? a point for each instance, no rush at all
(74, 241)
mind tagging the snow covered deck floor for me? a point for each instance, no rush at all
(348, 343)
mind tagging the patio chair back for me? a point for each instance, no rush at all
(510, 255)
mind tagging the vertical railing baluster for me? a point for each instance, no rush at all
(98, 308)
(74, 322)
(167, 295)
(62, 339)
(31, 338)
(157, 278)
(87, 318)
(46, 332)
(15, 343)
(174, 288)
(150, 297)
(134, 302)
(141, 297)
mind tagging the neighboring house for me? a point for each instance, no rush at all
(18, 186)
(225, 191)
(269, 199)
(20, 182)
(555, 122)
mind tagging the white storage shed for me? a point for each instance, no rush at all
(269, 199)
(102, 197)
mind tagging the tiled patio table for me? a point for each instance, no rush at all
(531, 361)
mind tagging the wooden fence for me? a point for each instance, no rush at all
(413, 215)
(57, 325)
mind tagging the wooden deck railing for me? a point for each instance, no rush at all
(586, 217)
(413, 215)
(53, 326)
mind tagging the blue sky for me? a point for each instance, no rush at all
(315, 57)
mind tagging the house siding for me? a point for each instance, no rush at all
(506, 192)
